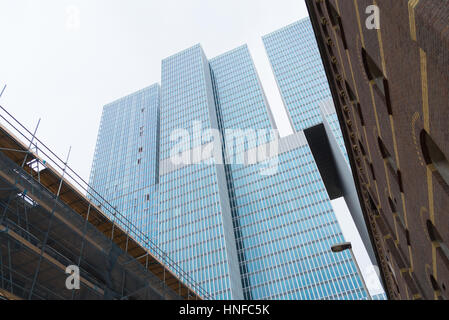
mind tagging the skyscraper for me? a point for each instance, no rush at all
(296, 63)
(195, 216)
(254, 230)
(283, 219)
(126, 160)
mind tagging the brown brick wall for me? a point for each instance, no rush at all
(410, 96)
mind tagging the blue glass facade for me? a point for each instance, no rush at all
(299, 72)
(381, 296)
(125, 165)
(236, 230)
(284, 223)
(239, 97)
(287, 227)
(195, 217)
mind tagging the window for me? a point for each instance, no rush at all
(336, 22)
(373, 205)
(376, 75)
(407, 236)
(435, 237)
(359, 111)
(362, 148)
(351, 95)
(372, 170)
(435, 157)
(391, 164)
(392, 205)
(386, 155)
(395, 211)
(434, 283)
(333, 14)
(342, 34)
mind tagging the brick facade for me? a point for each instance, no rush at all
(391, 91)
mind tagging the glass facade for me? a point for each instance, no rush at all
(299, 72)
(381, 296)
(283, 222)
(125, 165)
(195, 217)
(287, 227)
(240, 101)
(258, 231)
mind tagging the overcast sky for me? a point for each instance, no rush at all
(63, 60)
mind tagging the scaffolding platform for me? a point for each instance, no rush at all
(48, 224)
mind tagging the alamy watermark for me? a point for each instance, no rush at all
(373, 20)
(371, 275)
(241, 147)
(73, 280)
(72, 21)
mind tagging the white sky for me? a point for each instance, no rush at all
(63, 60)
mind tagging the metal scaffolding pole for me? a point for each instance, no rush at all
(86, 221)
(49, 228)
(10, 267)
(37, 163)
(25, 212)
(31, 143)
(3, 90)
(2, 270)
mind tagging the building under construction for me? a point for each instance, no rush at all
(47, 224)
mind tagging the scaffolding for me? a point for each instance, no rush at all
(49, 221)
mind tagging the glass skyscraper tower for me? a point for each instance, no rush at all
(299, 71)
(126, 160)
(284, 222)
(296, 63)
(256, 231)
(195, 215)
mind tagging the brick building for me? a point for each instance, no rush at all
(391, 90)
